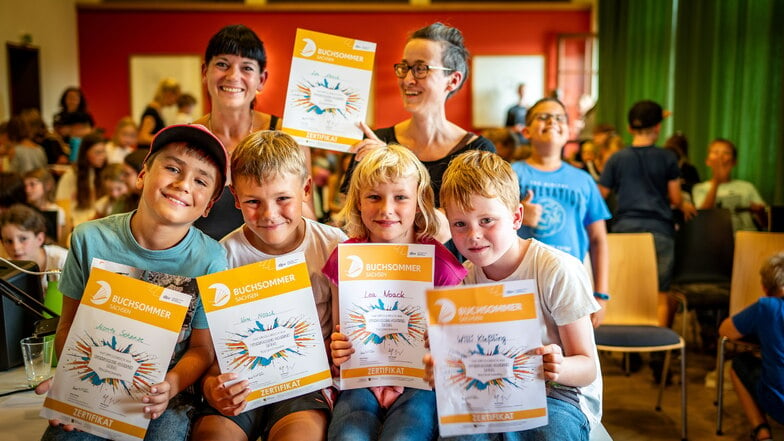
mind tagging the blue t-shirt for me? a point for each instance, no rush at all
(110, 239)
(639, 177)
(765, 320)
(570, 202)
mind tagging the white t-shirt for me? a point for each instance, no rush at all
(318, 243)
(733, 195)
(565, 295)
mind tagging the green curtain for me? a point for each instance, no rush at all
(720, 71)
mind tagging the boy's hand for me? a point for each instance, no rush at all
(340, 347)
(427, 359)
(228, 400)
(552, 357)
(367, 145)
(689, 210)
(532, 213)
(157, 400)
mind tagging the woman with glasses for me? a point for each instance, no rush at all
(434, 66)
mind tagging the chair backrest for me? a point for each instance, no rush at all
(704, 248)
(752, 248)
(633, 283)
(776, 218)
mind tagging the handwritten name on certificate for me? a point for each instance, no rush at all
(120, 343)
(479, 337)
(382, 311)
(329, 90)
(265, 327)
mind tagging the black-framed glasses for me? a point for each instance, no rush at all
(419, 69)
(544, 117)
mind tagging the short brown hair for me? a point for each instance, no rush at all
(772, 275)
(481, 173)
(267, 154)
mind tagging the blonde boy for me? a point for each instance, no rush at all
(270, 182)
(481, 196)
(183, 174)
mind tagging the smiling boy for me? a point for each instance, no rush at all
(182, 176)
(480, 194)
(270, 183)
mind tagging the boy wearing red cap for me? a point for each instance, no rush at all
(182, 176)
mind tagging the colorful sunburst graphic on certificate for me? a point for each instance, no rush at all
(480, 369)
(377, 323)
(322, 97)
(107, 362)
(261, 345)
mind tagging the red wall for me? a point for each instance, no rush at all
(107, 38)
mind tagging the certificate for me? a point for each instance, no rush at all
(382, 311)
(265, 328)
(120, 343)
(328, 90)
(479, 337)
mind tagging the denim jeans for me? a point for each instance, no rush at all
(565, 422)
(358, 416)
(172, 425)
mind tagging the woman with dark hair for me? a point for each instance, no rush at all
(434, 66)
(72, 100)
(234, 72)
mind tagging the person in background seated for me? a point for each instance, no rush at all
(759, 383)
(23, 230)
(123, 141)
(114, 189)
(186, 103)
(52, 144)
(721, 191)
(132, 166)
(39, 188)
(25, 155)
(81, 184)
(71, 101)
(152, 120)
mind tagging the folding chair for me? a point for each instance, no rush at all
(631, 323)
(752, 248)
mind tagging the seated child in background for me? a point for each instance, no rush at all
(481, 196)
(759, 383)
(183, 175)
(185, 105)
(132, 166)
(270, 182)
(123, 141)
(81, 183)
(114, 188)
(23, 231)
(389, 200)
(39, 187)
(721, 191)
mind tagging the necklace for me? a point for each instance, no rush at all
(250, 128)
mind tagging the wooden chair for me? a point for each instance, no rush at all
(631, 323)
(752, 248)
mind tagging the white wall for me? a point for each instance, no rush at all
(52, 24)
